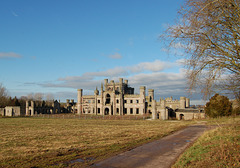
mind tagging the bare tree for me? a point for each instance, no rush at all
(209, 33)
(30, 96)
(49, 97)
(38, 96)
(3, 96)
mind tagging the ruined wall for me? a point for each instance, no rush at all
(116, 99)
(2, 111)
(119, 99)
(12, 111)
(189, 115)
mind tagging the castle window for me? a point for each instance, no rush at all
(98, 110)
(131, 101)
(150, 98)
(137, 101)
(137, 110)
(125, 111)
(131, 110)
(98, 101)
(125, 101)
(117, 101)
(117, 110)
(108, 99)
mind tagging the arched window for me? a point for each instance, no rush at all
(181, 116)
(108, 98)
(106, 112)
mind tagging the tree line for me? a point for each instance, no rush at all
(6, 100)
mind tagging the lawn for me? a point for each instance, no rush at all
(219, 147)
(58, 142)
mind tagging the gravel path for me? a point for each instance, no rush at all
(158, 154)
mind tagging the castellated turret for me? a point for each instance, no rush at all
(187, 102)
(96, 92)
(163, 110)
(151, 94)
(142, 93)
(105, 83)
(182, 102)
(121, 81)
(154, 113)
(79, 101)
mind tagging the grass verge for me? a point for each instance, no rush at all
(38, 142)
(216, 148)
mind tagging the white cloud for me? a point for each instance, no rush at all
(198, 102)
(148, 74)
(14, 14)
(9, 55)
(165, 84)
(115, 56)
(155, 66)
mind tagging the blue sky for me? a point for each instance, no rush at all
(57, 46)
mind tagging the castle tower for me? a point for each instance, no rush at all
(32, 108)
(187, 102)
(182, 102)
(27, 108)
(96, 93)
(67, 101)
(79, 101)
(114, 100)
(163, 110)
(151, 94)
(142, 99)
(105, 84)
(121, 81)
(126, 82)
(121, 107)
(154, 113)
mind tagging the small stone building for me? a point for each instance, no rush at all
(189, 114)
(12, 111)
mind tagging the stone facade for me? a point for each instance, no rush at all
(190, 114)
(52, 107)
(114, 99)
(119, 99)
(12, 111)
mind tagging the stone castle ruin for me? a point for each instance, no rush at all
(50, 107)
(114, 98)
(119, 99)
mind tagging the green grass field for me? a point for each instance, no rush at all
(217, 148)
(47, 142)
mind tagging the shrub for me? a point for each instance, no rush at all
(218, 106)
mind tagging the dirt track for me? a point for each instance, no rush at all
(158, 154)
